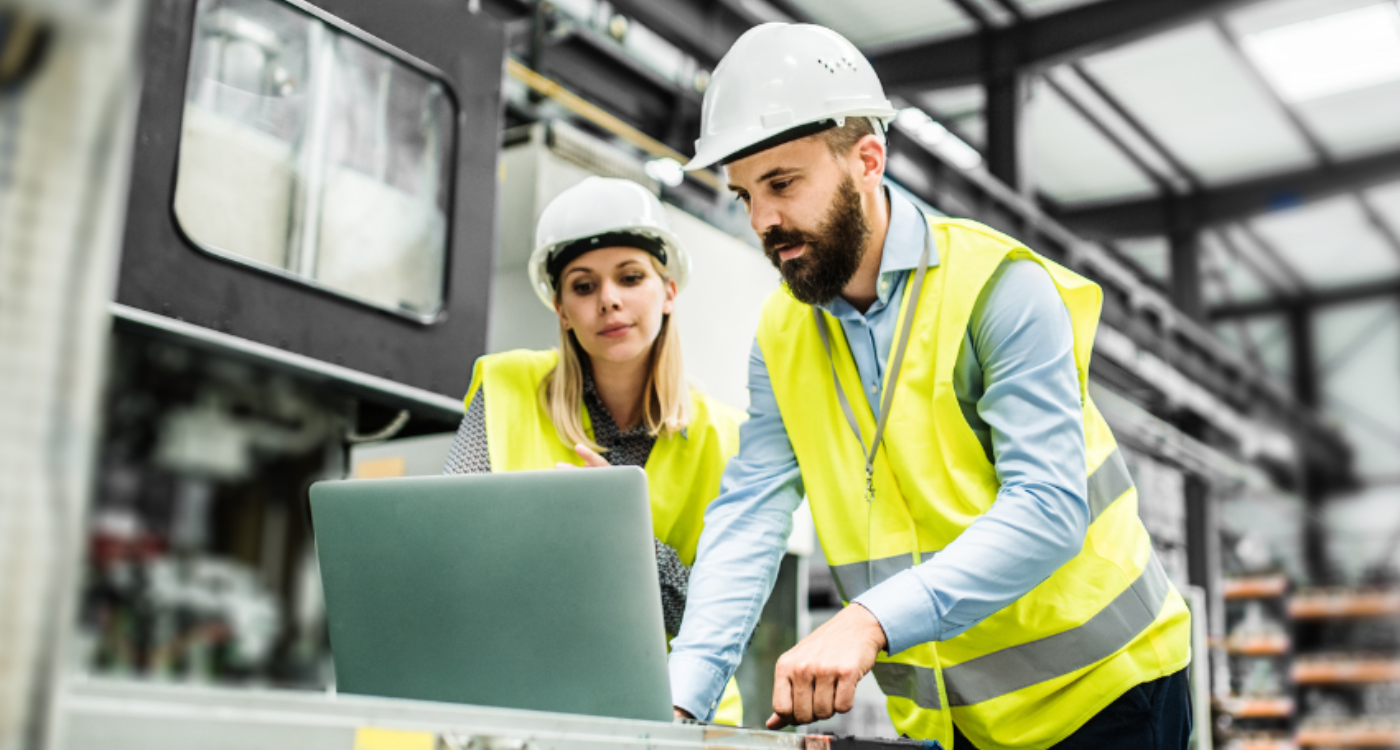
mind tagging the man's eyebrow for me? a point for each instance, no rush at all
(770, 174)
(777, 172)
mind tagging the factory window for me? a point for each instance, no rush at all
(308, 152)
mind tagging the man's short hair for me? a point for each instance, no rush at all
(843, 138)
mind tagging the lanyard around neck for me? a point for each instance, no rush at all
(892, 377)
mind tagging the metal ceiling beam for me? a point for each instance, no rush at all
(1235, 202)
(1040, 41)
(1187, 283)
(703, 29)
(1005, 104)
(1339, 296)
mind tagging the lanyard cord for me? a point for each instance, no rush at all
(895, 364)
(886, 400)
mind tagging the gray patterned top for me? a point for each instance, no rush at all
(469, 455)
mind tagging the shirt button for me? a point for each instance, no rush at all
(862, 322)
(874, 388)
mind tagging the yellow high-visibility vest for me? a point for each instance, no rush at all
(683, 470)
(1032, 673)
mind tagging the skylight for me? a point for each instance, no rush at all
(1330, 54)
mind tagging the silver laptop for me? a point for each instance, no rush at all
(533, 590)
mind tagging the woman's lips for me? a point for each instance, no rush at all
(792, 252)
(613, 332)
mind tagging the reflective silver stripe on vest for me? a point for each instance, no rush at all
(1010, 669)
(853, 579)
(1106, 484)
(918, 684)
(1114, 627)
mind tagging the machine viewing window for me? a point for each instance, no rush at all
(310, 153)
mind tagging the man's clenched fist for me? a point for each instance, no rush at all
(817, 678)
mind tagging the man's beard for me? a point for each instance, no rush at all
(833, 252)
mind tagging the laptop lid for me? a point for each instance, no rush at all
(533, 590)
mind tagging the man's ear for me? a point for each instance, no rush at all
(869, 153)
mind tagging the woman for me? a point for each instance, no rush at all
(615, 393)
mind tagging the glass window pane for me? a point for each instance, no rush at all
(311, 153)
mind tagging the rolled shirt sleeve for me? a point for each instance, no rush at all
(741, 546)
(1023, 340)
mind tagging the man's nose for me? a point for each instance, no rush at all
(763, 218)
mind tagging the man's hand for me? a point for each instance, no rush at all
(591, 460)
(817, 678)
(681, 713)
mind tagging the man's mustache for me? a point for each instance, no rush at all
(778, 238)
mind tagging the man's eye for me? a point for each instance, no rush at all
(781, 185)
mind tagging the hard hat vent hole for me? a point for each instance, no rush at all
(824, 64)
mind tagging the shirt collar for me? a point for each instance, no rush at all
(904, 243)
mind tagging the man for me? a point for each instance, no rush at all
(973, 505)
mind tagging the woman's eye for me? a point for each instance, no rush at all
(635, 278)
(582, 288)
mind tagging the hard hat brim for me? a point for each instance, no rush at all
(677, 261)
(756, 140)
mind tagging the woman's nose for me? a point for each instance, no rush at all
(609, 298)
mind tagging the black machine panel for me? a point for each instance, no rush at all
(165, 271)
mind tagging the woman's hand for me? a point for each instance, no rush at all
(591, 460)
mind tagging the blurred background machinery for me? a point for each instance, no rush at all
(262, 246)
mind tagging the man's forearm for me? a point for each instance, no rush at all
(1026, 536)
(740, 552)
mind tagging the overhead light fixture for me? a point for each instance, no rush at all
(931, 133)
(666, 171)
(1330, 54)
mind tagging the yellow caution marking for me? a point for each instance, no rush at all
(373, 738)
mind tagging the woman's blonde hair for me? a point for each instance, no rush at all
(666, 409)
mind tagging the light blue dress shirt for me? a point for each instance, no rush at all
(1017, 384)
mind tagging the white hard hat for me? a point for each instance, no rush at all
(602, 212)
(781, 81)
